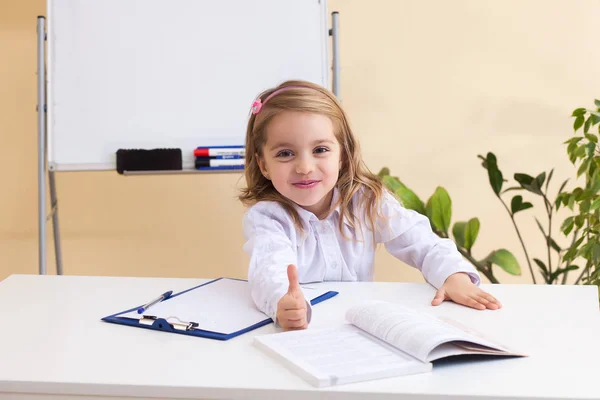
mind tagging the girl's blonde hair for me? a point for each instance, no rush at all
(354, 175)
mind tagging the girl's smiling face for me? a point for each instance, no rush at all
(302, 159)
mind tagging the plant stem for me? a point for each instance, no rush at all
(586, 268)
(480, 267)
(549, 212)
(564, 279)
(588, 264)
(467, 254)
(520, 238)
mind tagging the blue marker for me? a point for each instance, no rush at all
(160, 298)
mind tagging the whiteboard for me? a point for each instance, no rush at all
(169, 73)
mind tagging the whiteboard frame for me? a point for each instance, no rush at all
(53, 165)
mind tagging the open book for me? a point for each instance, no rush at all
(381, 340)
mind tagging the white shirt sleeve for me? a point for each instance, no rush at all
(271, 250)
(408, 236)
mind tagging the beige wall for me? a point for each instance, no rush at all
(428, 85)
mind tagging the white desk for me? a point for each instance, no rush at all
(53, 345)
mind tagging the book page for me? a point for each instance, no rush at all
(339, 355)
(416, 333)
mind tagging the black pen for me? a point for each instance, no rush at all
(160, 298)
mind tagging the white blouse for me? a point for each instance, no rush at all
(321, 253)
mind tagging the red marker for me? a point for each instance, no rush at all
(219, 151)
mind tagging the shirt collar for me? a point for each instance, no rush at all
(307, 216)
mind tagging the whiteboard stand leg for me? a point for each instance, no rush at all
(41, 105)
(54, 212)
(334, 32)
(41, 110)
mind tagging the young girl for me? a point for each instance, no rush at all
(317, 214)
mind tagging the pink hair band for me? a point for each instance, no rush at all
(258, 104)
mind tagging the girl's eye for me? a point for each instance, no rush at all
(321, 150)
(284, 153)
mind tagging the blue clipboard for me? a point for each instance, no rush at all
(187, 328)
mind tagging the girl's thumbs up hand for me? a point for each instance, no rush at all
(291, 308)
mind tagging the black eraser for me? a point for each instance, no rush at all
(149, 160)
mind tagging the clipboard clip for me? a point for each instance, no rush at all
(164, 324)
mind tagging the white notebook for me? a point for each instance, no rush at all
(381, 340)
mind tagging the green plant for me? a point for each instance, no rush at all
(537, 186)
(583, 227)
(439, 211)
(583, 149)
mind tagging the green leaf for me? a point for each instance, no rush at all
(578, 111)
(583, 167)
(588, 123)
(593, 169)
(523, 179)
(591, 147)
(542, 267)
(595, 204)
(574, 140)
(561, 197)
(572, 158)
(571, 203)
(517, 204)
(578, 122)
(410, 200)
(495, 177)
(585, 251)
(579, 220)
(549, 177)
(392, 183)
(572, 147)
(558, 200)
(384, 171)
(563, 186)
(584, 206)
(554, 245)
(540, 179)
(567, 225)
(458, 230)
(571, 150)
(596, 254)
(570, 254)
(471, 232)
(439, 209)
(505, 260)
(596, 102)
(529, 183)
(556, 274)
(591, 138)
(494, 174)
(596, 185)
